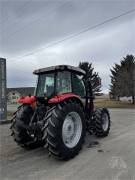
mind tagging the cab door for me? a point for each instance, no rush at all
(78, 87)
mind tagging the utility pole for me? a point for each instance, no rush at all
(133, 84)
(3, 96)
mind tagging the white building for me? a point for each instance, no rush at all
(126, 98)
(14, 93)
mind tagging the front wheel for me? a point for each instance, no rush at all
(102, 122)
(66, 130)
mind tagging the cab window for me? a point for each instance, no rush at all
(78, 85)
(45, 86)
(63, 82)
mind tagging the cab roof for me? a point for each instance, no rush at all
(73, 69)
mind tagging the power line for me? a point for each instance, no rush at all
(77, 34)
(34, 20)
(19, 9)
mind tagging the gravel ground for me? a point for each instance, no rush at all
(112, 158)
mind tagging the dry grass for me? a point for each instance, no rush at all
(112, 104)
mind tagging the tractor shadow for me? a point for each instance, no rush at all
(91, 141)
(94, 143)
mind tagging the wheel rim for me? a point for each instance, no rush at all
(72, 129)
(105, 121)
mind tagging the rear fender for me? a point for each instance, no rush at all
(65, 97)
(27, 100)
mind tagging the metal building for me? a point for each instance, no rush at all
(3, 99)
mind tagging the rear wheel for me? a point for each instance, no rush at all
(19, 128)
(66, 130)
(102, 122)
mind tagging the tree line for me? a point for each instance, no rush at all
(122, 78)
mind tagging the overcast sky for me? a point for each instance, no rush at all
(29, 30)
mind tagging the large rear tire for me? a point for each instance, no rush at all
(102, 122)
(18, 128)
(66, 130)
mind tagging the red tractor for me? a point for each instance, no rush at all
(60, 113)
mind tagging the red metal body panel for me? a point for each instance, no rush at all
(27, 100)
(91, 106)
(62, 97)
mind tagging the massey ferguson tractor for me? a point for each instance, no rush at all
(60, 113)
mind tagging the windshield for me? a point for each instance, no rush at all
(45, 86)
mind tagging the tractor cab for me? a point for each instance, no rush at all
(59, 80)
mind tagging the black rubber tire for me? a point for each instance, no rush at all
(55, 144)
(18, 130)
(98, 129)
(44, 130)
